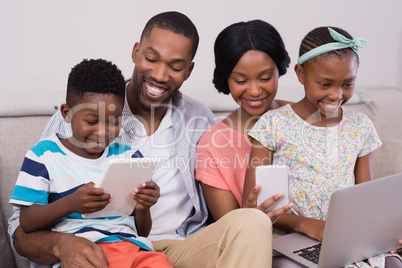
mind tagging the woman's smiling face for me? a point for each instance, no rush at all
(253, 82)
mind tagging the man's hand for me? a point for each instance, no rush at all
(74, 251)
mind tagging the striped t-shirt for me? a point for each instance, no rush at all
(50, 171)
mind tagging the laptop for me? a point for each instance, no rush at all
(362, 221)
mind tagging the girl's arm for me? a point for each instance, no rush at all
(219, 201)
(287, 222)
(315, 228)
(363, 172)
(84, 200)
(293, 223)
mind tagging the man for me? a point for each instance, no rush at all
(162, 122)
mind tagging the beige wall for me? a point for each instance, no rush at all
(41, 40)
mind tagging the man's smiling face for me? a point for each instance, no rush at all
(162, 63)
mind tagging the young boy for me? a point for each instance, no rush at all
(56, 182)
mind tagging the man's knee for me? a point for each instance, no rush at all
(248, 220)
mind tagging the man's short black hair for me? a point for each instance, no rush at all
(175, 22)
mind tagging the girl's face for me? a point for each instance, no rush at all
(328, 82)
(253, 82)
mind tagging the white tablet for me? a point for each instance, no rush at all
(119, 178)
(272, 179)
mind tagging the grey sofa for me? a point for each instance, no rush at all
(22, 121)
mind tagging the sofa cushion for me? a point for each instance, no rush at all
(17, 135)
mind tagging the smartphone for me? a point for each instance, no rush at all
(272, 179)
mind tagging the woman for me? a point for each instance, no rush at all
(249, 57)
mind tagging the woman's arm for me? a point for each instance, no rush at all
(259, 156)
(363, 172)
(219, 201)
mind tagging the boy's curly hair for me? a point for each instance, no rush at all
(94, 76)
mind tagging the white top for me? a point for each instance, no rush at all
(173, 192)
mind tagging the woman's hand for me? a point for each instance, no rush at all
(251, 202)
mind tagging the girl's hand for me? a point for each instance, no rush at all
(87, 199)
(146, 196)
(251, 202)
(313, 228)
(399, 251)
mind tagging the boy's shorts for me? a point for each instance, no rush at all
(127, 254)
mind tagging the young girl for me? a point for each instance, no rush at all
(325, 146)
(249, 59)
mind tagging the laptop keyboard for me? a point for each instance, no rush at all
(311, 253)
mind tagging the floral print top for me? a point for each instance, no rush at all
(321, 160)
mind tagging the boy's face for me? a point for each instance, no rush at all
(95, 123)
(162, 64)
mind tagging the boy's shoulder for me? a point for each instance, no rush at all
(117, 148)
(46, 145)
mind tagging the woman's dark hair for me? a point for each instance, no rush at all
(321, 36)
(237, 39)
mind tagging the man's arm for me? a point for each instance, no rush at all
(46, 247)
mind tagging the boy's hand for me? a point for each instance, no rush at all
(87, 199)
(146, 195)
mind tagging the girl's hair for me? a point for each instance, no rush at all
(321, 36)
(237, 39)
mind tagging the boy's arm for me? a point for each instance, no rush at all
(143, 221)
(84, 200)
(146, 196)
